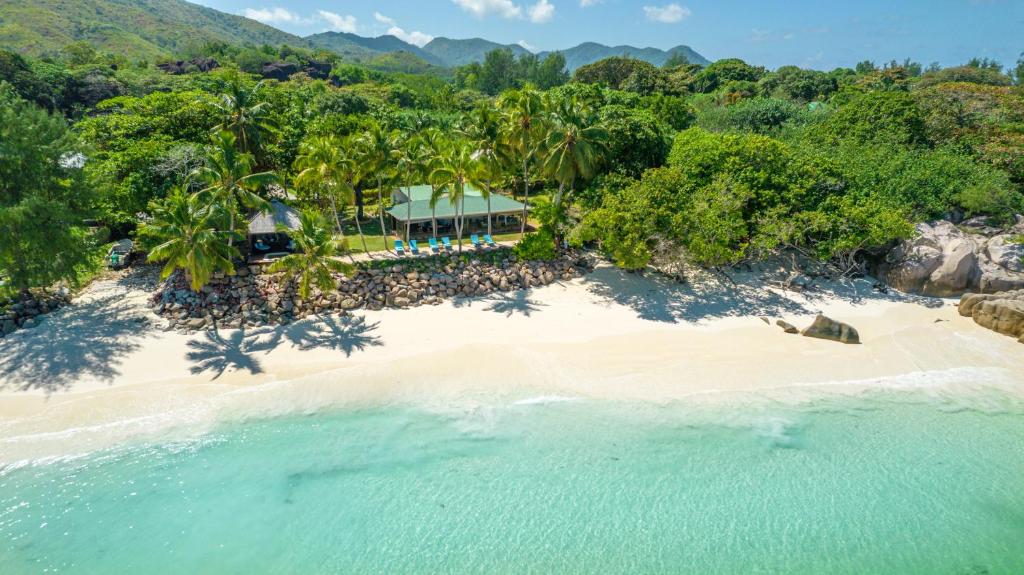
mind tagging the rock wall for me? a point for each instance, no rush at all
(25, 312)
(255, 297)
(1001, 312)
(944, 260)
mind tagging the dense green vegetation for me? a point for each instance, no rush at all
(652, 165)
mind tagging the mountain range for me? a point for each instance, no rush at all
(155, 29)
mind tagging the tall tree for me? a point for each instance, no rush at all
(320, 169)
(184, 233)
(574, 147)
(315, 260)
(523, 119)
(43, 196)
(432, 148)
(407, 163)
(455, 169)
(229, 179)
(246, 115)
(483, 131)
(351, 175)
(378, 153)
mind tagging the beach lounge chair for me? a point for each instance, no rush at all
(399, 247)
(490, 241)
(475, 240)
(447, 243)
(414, 247)
(433, 245)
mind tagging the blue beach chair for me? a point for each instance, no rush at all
(414, 247)
(399, 247)
(490, 241)
(433, 245)
(447, 243)
(475, 240)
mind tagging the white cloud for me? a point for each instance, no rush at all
(481, 8)
(339, 23)
(589, 3)
(758, 35)
(415, 37)
(383, 19)
(526, 45)
(667, 14)
(541, 12)
(271, 15)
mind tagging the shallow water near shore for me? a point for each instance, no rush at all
(885, 481)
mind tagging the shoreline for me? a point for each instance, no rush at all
(607, 336)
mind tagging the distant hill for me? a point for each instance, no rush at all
(154, 29)
(360, 47)
(461, 52)
(590, 52)
(136, 28)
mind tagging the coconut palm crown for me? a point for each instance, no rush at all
(314, 263)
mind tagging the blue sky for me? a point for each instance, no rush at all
(773, 33)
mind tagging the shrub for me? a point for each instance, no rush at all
(539, 245)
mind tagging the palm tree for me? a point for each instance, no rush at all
(431, 149)
(408, 165)
(378, 153)
(245, 114)
(185, 230)
(315, 261)
(523, 118)
(453, 171)
(350, 175)
(574, 146)
(483, 130)
(319, 163)
(229, 180)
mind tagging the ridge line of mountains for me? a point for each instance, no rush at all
(160, 29)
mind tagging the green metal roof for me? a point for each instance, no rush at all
(423, 191)
(475, 206)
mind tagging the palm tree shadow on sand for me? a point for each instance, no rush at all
(517, 302)
(347, 334)
(238, 350)
(217, 353)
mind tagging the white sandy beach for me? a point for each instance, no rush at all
(93, 375)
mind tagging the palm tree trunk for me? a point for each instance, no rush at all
(359, 201)
(526, 197)
(408, 212)
(362, 238)
(433, 210)
(488, 209)
(462, 217)
(380, 211)
(558, 217)
(334, 210)
(231, 228)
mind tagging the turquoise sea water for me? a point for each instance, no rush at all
(889, 482)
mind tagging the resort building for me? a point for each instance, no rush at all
(415, 208)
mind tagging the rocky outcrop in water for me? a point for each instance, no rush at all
(254, 297)
(945, 260)
(1000, 312)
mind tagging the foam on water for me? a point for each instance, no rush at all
(888, 479)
